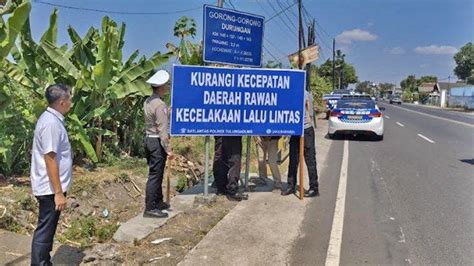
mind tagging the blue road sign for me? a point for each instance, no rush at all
(232, 37)
(237, 101)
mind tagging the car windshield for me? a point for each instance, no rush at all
(355, 104)
(341, 92)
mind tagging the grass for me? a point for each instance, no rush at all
(89, 229)
(83, 183)
(106, 231)
(124, 177)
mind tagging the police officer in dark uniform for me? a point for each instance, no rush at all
(227, 165)
(309, 154)
(157, 144)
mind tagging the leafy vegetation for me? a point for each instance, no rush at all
(465, 63)
(108, 91)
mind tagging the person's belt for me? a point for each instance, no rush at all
(152, 136)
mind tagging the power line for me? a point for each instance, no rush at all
(266, 21)
(277, 14)
(292, 11)
(116, 12)
(268, 51)
(283, 11)
(286, 15)
(275, 47)
(232, 5)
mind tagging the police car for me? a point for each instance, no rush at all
(331, 99)
(356, 116)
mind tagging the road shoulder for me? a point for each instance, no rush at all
(261, 230)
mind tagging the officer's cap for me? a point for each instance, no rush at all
(159, 78)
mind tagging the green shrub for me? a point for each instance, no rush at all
(106, 231)
(182, 184)
(82, 230)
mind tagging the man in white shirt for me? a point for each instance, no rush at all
(51, 170)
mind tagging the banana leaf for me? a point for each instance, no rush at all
(58, 57)
(13, 27)
(51, 35)
(79, 133)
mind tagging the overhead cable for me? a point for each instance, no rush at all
(116, 12)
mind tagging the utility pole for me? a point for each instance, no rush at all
(207, 141)
(300, 35)
(300, 66)
(333, 64)
(311, 41)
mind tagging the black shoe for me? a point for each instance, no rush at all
(311, 193)
(162, 205)
(221, 192)
(288, 191)
(237, 196)
(155, 214)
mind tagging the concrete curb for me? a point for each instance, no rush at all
(139, 227)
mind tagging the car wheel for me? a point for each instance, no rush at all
(390, 102)
(399, 103)
(379, 138)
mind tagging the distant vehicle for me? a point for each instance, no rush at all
(356, 116)
(331, 99)
(395, 99)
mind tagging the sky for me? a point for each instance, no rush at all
(386, 40)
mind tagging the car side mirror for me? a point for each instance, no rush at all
(382, 108)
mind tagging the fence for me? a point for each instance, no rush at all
(461, 97)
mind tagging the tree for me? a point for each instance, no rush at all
(385, 87)
(464, 62)
(364, 87)
(318, 86)
(409, 84)
(427, 79)
(273, 64)
(325, 71)
(188, 53)
(108, 92)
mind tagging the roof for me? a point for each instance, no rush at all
(447, 85)
(427, 87)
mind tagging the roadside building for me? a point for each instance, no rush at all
(444, 89)
(462, 97)
(429, 93)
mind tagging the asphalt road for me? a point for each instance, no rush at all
(409, 198)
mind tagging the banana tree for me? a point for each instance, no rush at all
(12, 129)
(188, 53)
(107, 91)
(103, 83)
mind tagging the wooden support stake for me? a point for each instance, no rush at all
(301, 167)
(167, 187)
(135, 186)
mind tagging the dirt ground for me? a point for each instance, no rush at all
(184, 232)
(102, 198)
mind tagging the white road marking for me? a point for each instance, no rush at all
(333, 256)
(387, 116)
(433, 116)
(425, 138)
(402, 237)
(400, 124)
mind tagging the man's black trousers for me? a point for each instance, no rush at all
(156, 159)
(43, 236)
(309, 157)
(227, 163)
